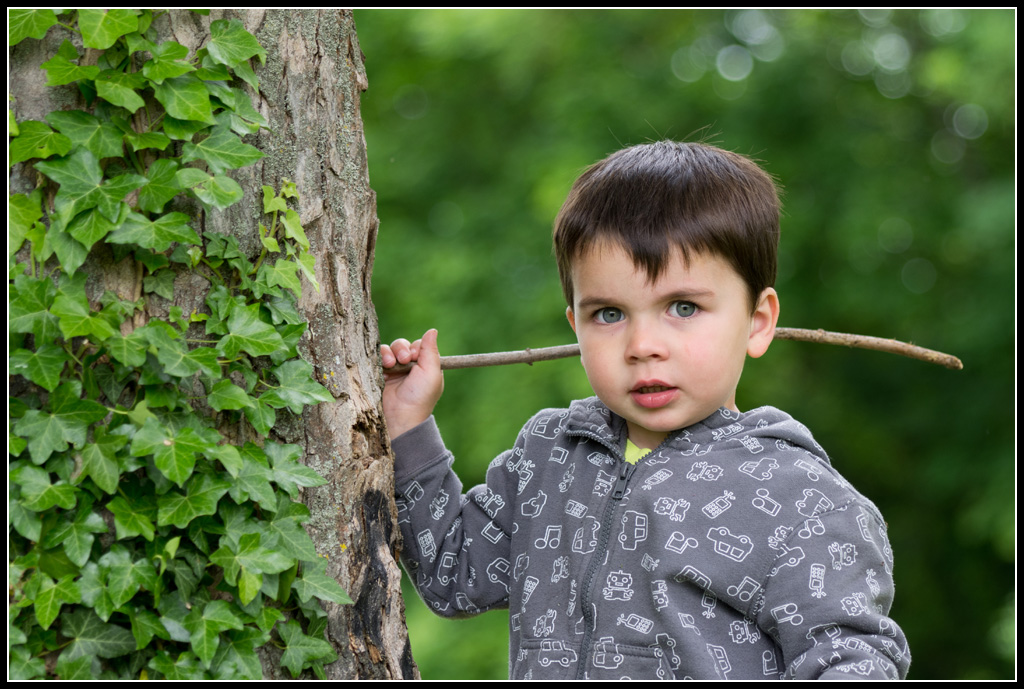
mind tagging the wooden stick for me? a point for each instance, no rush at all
(880, 344)
(528, 356)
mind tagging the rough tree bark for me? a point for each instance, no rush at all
(309, 92)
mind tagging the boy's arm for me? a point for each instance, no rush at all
(455, 546)
(438, 523)
(834, 623)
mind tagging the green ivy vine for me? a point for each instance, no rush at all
(143, 543)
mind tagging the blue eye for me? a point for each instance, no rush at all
(683, 309)
(608, 315)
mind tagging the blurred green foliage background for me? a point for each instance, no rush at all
(892, 133)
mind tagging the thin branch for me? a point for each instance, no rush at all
(528, 356)
(879, 344)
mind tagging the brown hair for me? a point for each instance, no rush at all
(651, 197)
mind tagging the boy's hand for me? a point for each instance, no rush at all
(410, 396)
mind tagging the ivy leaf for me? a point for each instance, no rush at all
(28, 308)
(43, 366)
(162, 283)
(99, 460)
(218, 191)
(272, 202)
(301, 650)
(145, 625)
(76, 535)
(247, 564)
(307, 264)
(262, 416)
(244, 72)
(70, 252)
(199, 499)
(291, 334)
(257, 558)
(223, 93)
(77, 668)
(113, 192)
(288, 473)
(22, 664)
(61, 70)
(22, 24)
(246, 332)
(79, 177)
(228, 456)
(230, 43)
(269, 243)
(293, 228)
(120, 88)
(82, 186)
(131, 519)
(315, 582)
(125, 577)
(252, 480)
(227, 395)
(236, 657)
(294, 539)
(174, 452)
(243, 109)
(183, 668)
(157, 234)
(205, 627)
(22, 213)
(52, 595)
(296, 387)
(37, 493)
(136, 42)
(100, 137)
(71, 307)
(92, 226)
(101, 29)
(185, 98)
(36, 140)
(130, 350)
(68, 422)
(162, 185)
(167, 62)
(173, 355)
(90, 636)
(221, 151)
(182, 130)
(25, 521)
(142, 140)
(283, 273)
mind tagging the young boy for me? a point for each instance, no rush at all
(655, 530)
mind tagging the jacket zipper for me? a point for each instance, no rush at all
(618, 491)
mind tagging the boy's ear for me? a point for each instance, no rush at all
(571, 316)
(762, 322)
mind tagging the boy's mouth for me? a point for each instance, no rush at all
(653, 394)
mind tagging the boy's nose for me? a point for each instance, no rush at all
(645, 342)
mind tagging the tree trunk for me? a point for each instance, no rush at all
(309, 93)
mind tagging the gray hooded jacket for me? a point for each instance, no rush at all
(732, 551)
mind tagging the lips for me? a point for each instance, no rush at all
(653, 394)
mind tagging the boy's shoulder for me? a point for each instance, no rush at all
(768, 453)
(585, 417)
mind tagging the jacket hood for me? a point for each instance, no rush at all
(591, 417)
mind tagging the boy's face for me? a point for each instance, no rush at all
(665, 354)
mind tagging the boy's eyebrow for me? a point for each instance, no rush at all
(678, 295)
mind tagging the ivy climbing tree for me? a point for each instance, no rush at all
(199, 477)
